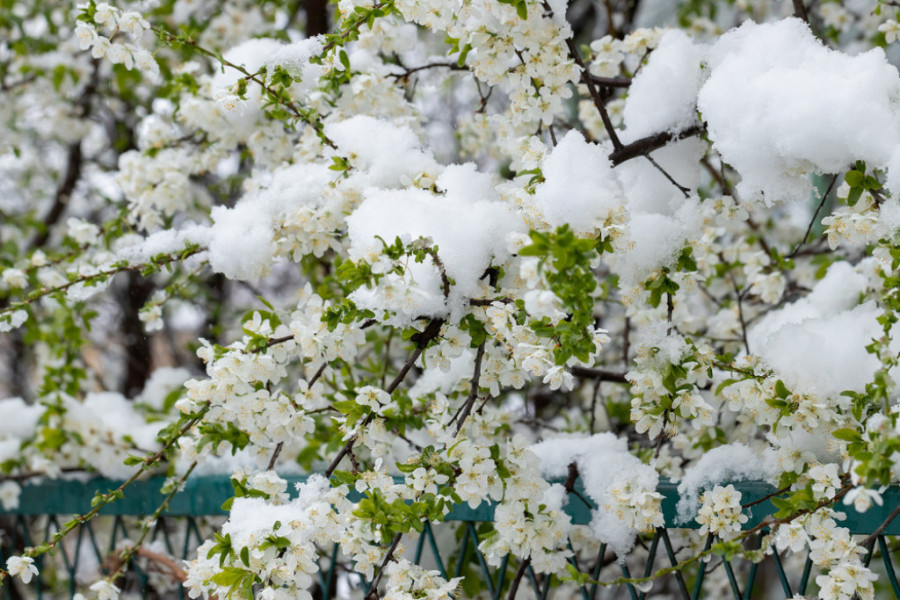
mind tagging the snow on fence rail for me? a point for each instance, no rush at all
(450, 547)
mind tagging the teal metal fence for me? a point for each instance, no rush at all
(450, 547)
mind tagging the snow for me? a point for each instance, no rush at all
(778, 105)
(605, 467)
(136, 249)
(18, 419)
(256, 53)
(663, 96)
(387, 155)
(726, 464)
(816, 345)
(661, 219)
(252, 516)
(242, 238)
(826, 356)
(580, 187)
(468, 230)
(434, 379)
(162, 382)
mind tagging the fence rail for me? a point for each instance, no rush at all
(195, 511)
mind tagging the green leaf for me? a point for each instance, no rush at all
(848, 435)
(854, 178)
(522, 10)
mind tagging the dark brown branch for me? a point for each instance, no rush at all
(373, 590)
(275, 455)
(648, 144)
(407, 71)
(520, 572)
(599, 374)
(800, 11)
(473, 389)
(595, 95)
(488, 301)
(612, 82)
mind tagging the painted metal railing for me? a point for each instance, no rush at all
(450, 547)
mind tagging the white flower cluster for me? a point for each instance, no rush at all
(113, 21)
(236, 393)
(665, 381)
(529, 522)
(526, 57)
(271, 540)
(832, 549)
(720, 512)
(863, 223)
(530, 354)
(407, 581)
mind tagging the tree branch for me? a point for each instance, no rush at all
(648, 144)
(422, 339)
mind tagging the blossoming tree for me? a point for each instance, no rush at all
(443, 253)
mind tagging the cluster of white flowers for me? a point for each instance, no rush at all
(326, 179)
(113, 21)
(272, 540)
(720, 512)
(407, 581)
(665, 385)
(529, 522)
(832, 549)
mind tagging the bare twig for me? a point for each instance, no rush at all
(422, 339)
(882, 527)
(598, 374)
(517, 579)
(373, 590)
(473, 389)
(275, 454)
(813, 220)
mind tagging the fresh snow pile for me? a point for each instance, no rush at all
(18, 421)
(251, 517)
(779, 105)
(383, 155)
(242, 238)
(663, 96)
(725, 464)
(662, 218)
(466, 221)
(623, 487)
(580, 188)
(817, 345)
(256, 53)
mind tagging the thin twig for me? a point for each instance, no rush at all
(882, 527)
(275, 454)
(684, 190)
(373, 590)
(473, 389)
(813, 220)
(598, 374)
(422, 339)
(520, 572)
